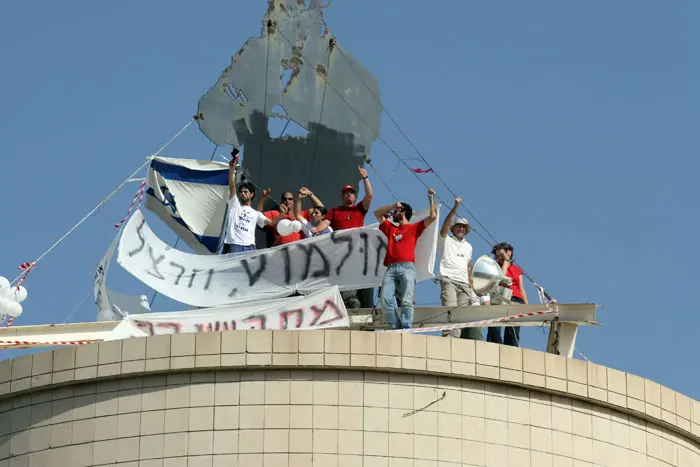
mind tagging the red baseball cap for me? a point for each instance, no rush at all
(346, 188)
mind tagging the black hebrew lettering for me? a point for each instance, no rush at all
(210, 274)
(140, 235)
(155, 262)
(256, 322)
(254, 277)
(194, 273)
(285, 315)
(144, 326)
(365, 251)
(233, 292)
(318, 312)
(182, 271)
(287, 266)
(381, 246)
(338, 238)
(309, 250)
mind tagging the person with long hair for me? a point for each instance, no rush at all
(503, 253)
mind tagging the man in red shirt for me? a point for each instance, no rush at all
(286, 208)
(503, 252)
(400, 259)
(348, 216)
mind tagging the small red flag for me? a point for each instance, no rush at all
(422, 171)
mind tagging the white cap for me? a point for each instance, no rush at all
(460, 220)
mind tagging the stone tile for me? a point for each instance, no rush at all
(180, 345)
(226, 418)
(413, 363)
(668, 399)
(151, 447)
(226, 442)
(251, 441)
(310, 359)
(159, 346)
(233, 342)
(555, 384)
(175, 444)
(109, 352)
(533, 361)
(201, 443)
(337, 342)
(652, 393)
(349, 418)
(207, 343)
(511, 357)
(636, 405)
(635, 386)
(42, 363)
(487, 353)
(463, 350)
(285, 342)
(683, 406)
(158, 364)
(177, 420)
(577, 370)
(252, 417)
(177, 396)
(439, 349)
(583, 448)
(375, 444)
(531, 379)
(300, 441)
(597, 375)
(259, 341)
(490, 372)
(577, 389)
(133, 367)
(413, 345)
(207, 361)
(512, 376)
(555, 366)
(363, 342)
(276, 416)
(152, 423)
(104, 452)
(337, 360)
(311, 342)
(134, 349)
(388, 343)
(21, 367)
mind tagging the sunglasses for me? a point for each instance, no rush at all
(287, 199)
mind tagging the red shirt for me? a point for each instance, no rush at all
(277, 238)
(514, 272)
(401, 247)
(347, 217)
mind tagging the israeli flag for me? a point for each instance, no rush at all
(190, 197)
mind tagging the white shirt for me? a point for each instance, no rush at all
(455, 256)
(241, 223)
(306, 227)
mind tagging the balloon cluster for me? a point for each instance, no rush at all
(287, 227)
(10, 298)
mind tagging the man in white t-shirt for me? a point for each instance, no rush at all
(242, 218)
(455, 267)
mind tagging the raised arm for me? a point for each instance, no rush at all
(367, 200)
(314, 200)
(379, 212)
(232, 174)
(303, 193)
(448, 220)
(276, 220)
(263, 198)
(433, 210)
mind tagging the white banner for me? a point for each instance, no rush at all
(350, 259)
(113, 306)
(320, 310)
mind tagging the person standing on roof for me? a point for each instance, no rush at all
(503, 252)
(456, 268)
(242, 218)
(400, 259)
(286, 203)
(350, 215)
(313, 221)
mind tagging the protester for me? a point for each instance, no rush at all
(400, 258)
(348, 216)
(287, 203)
(456, 268)
(318, 224)
(242, 218)
(503, 252)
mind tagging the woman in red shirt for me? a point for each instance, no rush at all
(503, 252)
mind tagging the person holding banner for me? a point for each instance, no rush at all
(400, 259)
(242, 218)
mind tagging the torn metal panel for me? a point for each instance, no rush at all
(288, 67)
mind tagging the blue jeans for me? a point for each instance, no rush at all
(399, 280)
(511, 335)
(232, 248)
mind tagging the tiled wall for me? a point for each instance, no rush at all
(178, 413)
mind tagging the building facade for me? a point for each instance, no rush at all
(333, 398)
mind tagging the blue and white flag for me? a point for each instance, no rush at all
(190, 197)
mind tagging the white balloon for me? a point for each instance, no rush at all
(5, 304)
(14, 310)
(4, 283)
(18, 295)
(296, 226)
(284, 227)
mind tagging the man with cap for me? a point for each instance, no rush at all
(456, 268)
(348, 216)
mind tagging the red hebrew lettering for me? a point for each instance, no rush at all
(176, 327)
(216, 326)
(145, 326)
(284, 318)
(318, 312)
(256, 322)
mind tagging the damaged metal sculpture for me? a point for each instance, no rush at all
(295, 70)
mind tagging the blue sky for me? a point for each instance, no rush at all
(569, 128)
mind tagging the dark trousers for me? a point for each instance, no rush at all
(511, 335)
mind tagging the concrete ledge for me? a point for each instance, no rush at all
(354, 350)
